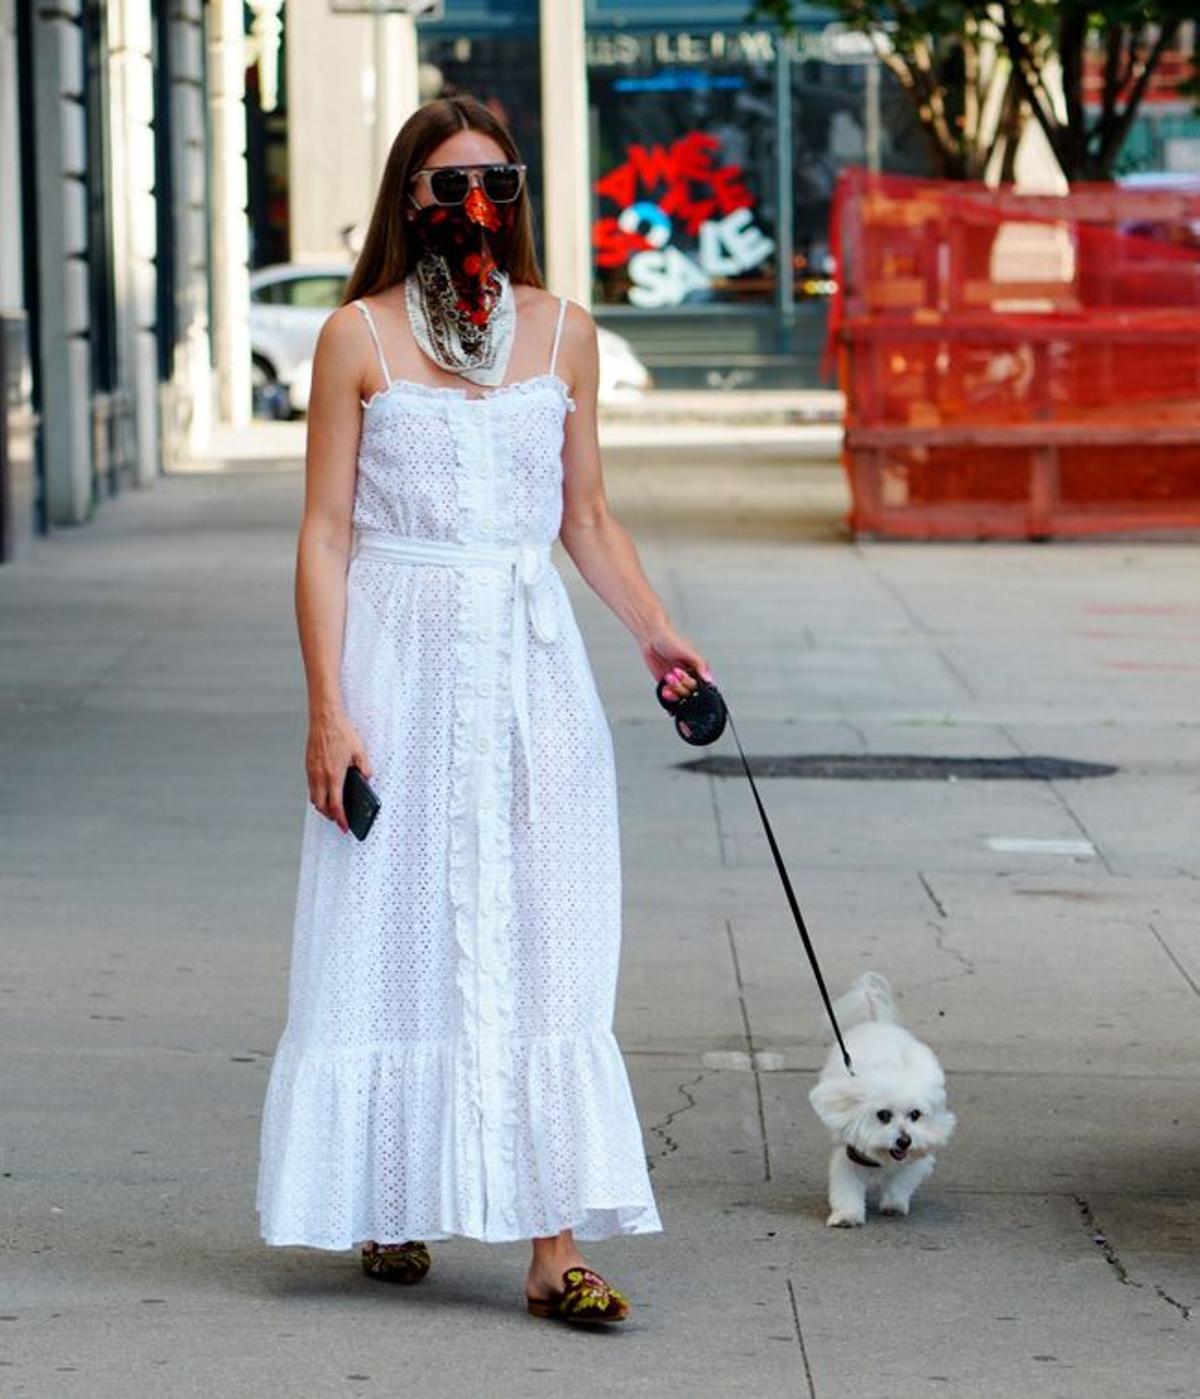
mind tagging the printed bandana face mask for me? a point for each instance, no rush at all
(459, 299)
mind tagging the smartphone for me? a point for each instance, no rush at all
(359, 802)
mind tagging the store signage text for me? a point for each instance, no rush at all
(834, 43)
(667, 192)
(624, 50)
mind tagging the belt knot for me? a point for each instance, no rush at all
(534, 597)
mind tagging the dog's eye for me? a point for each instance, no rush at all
(914, 1116)
(884, 1114)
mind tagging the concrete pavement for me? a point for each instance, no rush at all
(151, 727)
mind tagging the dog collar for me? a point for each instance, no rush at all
(859, 1159)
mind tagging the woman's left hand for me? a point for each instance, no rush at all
(669, 654)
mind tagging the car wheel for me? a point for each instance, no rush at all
(269, 398)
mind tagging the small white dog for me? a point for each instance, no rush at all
(887, 1117)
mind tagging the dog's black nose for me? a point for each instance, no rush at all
(903, 1142)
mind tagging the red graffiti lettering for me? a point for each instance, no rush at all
(730, 191)
(614, 246)
(689, 161)
(693, 155)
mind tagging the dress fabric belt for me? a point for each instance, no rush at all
(533, 596)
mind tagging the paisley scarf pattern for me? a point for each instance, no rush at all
(459, 299)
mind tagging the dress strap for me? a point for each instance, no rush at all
(562, 310)
(366, 310)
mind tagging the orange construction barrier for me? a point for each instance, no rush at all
(1017, 365)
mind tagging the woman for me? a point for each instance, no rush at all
(448, 1065)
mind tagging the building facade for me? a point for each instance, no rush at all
(108, 244)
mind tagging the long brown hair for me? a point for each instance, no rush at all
(387, 252)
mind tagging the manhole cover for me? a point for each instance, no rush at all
(898, 767)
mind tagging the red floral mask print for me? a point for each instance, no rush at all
(475, 240)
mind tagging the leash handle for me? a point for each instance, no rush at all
(791, 897)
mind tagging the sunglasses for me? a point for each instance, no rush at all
(450, 184)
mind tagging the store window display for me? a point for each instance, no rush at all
(683, 183)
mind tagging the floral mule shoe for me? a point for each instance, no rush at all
(586, 1299)
(406, 1263)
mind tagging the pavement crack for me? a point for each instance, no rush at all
(1117, 1264)
(941, 940)
(750, 1050)
(724, 837)
(1082, 826)
(899, 599)
(933, 898)
(808, 1374)
(1174, 960)
(670, 1145)
(956, 672)
(1061, 799)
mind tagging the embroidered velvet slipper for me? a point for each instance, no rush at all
(406, 1263)
(586, 1299)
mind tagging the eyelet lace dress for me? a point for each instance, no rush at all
(448, 1065)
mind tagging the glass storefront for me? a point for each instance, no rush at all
(714, 148)
(683, 178)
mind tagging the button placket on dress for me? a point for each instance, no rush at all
(492, 814)
(471, 667)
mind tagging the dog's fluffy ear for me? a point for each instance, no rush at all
(939, 1127)
(836, 1101)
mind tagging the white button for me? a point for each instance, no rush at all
(484, 744)
(485, 633)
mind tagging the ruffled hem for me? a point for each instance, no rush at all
(593, 1226)
(362, 1143)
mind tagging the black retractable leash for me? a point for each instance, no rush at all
(700, 719)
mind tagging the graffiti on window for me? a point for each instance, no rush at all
(683, 222)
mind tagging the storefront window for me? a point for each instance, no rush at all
(683, 179)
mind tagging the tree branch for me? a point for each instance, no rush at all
(1113, 139)
(1072, 40)
(1028, 78)
(1113, 54)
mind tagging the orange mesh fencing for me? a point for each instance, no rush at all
(1017, 365)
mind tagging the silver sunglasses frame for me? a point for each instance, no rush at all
(428, 170)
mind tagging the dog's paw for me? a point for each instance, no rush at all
(896, 1208)
(840, 1219)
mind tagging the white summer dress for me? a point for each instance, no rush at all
(448, 1065)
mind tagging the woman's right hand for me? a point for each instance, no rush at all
(333, 746)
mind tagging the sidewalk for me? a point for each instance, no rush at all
(731, 407)
(151, 728)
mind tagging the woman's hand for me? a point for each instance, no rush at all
(669, 654)
(333, 746)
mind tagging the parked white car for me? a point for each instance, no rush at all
(289, 303)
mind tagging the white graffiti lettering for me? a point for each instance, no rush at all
(727, 247)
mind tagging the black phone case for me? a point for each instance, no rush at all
(359, 802)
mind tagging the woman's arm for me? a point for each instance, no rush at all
(600, 547)
(323, 555)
